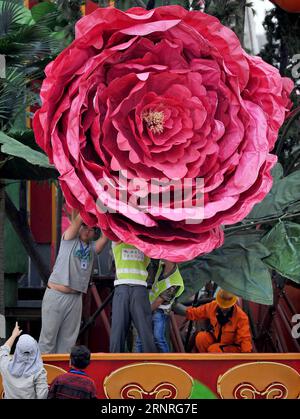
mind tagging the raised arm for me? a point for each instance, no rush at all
(73, 229)
(100, 243)
(15, 333)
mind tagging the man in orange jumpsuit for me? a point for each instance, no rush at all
(229, 325)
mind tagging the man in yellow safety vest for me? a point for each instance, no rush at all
(131, 298)
(168, 285)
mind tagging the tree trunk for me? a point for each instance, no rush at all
(23, 231)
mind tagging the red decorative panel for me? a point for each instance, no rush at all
(175, 375)
(40, 211)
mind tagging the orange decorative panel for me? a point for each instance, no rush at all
(148, 381)
(259, 380)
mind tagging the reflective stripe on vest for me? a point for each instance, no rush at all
(175, 279)
(131, 271)
(131, 265)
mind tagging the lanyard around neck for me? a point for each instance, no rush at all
(84, 250)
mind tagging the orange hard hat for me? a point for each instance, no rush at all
(225, 299)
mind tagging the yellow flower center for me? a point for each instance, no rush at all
(154, 120)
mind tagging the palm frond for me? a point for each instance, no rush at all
(26, 44)
(50, 19)
(12, 96)
(10, 14)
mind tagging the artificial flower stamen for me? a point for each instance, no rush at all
(154, 121)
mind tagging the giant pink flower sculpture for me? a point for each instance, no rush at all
(165, 94)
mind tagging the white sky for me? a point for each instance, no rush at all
(261, 6)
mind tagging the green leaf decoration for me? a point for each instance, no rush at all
(23, 162)
(283, 242)
(200, 391)
(14, 148)
(283, 197)
(191, 273)
(40, 10)
(237, 267)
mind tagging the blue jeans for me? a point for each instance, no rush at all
(159, 323)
